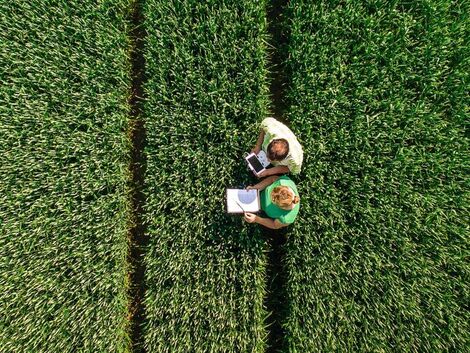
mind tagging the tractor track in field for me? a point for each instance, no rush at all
(138, 239)
(275, 301)
(277, 55)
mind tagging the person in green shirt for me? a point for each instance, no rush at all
(281, 147)
(279, 200)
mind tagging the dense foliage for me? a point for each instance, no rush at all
(205, 95)
(64, 208)
(379, 98)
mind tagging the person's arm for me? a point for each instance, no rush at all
(264, 183)
(257, 147)
(280, 169)
(267, 222)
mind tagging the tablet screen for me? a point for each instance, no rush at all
(255, 163)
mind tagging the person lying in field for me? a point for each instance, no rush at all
(279, 201)
(281, 147)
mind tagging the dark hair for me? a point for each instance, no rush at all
(278, 149)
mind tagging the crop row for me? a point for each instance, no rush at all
(379, 99)
(205, 94)
(64, 208)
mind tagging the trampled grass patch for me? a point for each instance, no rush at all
(64, 208)
(205, 94)
(379, 98)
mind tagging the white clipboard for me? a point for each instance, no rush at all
(242, 200)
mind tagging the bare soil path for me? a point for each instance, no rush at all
(137, 235)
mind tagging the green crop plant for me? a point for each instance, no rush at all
(64, 205)
(206, 93)
(378, 95)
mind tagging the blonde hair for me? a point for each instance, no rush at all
(282, 197)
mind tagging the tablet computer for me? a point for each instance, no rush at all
(254, 163)
(257, 162)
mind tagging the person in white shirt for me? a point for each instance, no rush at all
(281, 147)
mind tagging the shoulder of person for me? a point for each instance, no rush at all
(282, 219)
(296, 148)
(286, 181)
(294, 166)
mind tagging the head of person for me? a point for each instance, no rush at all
(284, 197)
(277, 150)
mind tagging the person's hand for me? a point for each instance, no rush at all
(249, 217)
(263, 174)
(256, 149)
(250, 187)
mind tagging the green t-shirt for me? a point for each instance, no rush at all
(273, 210)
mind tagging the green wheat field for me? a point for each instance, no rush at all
(377, 93)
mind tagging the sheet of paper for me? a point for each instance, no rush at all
(263, 158)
